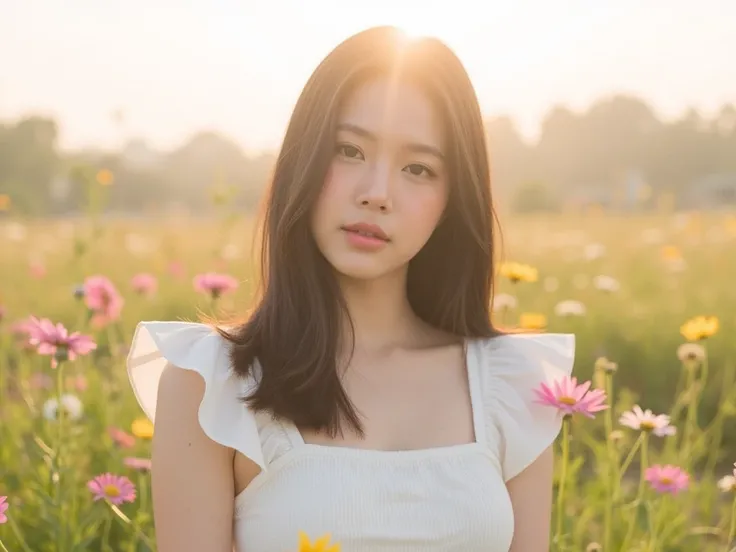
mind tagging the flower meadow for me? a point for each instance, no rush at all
(645, 458)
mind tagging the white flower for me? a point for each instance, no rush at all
(504, 301)
(691, 352)
(646, 421)
(594, 251)
(602, 364)
(727, 484)
(70, 403)
(606, 283)
(570, 308)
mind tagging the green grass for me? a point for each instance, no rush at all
(637, 327)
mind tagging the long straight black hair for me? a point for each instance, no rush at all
(294, 328)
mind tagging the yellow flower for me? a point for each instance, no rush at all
(4, 202)
(104, 177)
(322, 544)
(533, 321)
(518, 272)
(671, 253)
(700, 327)
(142, 428)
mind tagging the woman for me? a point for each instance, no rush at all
(367, 395)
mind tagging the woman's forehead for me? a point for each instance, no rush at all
(392, 109)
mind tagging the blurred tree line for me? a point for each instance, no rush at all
(618, 147)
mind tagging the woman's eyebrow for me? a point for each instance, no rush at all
(417, 147)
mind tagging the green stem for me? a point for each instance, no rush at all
(60, 415)
(630, 457)
(612, 466)
(125, 519)
(690, 411)
(654, 525)
(2, 546)
(143, 486)
(704, 370)
(732, 529)
(106, 533)
(19, 535)
(679, 390)
(640, 493)
(644, 465)
(563, 476)
(671, 444)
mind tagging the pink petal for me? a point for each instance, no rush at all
(581, 390)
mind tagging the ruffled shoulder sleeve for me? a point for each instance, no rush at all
(511, 367)
(199, 348)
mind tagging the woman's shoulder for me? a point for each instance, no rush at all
(511, 367)
(526, 355)
(190, 358)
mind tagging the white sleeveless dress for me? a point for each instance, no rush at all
(444, 499)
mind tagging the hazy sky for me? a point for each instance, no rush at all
(178, 66)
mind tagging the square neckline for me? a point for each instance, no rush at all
(471, 367)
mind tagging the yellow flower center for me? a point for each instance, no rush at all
(666, 480)
(112, 491)
(567, 400)
(646, 426)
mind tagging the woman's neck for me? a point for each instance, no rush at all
(380, 312)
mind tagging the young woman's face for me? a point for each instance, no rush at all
(387, 186)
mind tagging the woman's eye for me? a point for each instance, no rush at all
(417, 169)
(351, 152)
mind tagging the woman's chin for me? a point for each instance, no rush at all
(362, 269)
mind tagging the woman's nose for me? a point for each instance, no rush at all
(375, 192)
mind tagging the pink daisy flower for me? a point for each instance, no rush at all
(103, 299)
(667, 479)
(21, 332)
(144, 284)
(116, 489)
(570, 398)
(120, 437)
(3, 508)
(54, 340)
(646, 421)
(215, 284)
(140, 464)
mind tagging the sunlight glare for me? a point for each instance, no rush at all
(417, 26)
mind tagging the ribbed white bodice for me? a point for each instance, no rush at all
(431, 500)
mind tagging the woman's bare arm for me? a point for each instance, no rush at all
(531, 496)
(192, 476)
